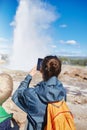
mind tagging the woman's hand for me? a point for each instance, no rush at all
(33, 71)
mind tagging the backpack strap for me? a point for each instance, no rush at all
(53, 103)
(65, 98)
(14, 125)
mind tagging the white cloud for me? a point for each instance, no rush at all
(5, 49)
(3, 40)
(5, 45)
(63, 25)
(62, 41)
(53, 46)
(71, 42)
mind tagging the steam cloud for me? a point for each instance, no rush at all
(31, 26)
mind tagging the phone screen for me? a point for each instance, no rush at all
(39, 63)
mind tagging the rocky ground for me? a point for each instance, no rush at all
(74, 79)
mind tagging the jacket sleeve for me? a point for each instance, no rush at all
(18, 96)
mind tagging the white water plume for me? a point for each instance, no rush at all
(30, 37)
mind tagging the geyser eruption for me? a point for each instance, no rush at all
(30, 37)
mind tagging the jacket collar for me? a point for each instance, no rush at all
(52, 81)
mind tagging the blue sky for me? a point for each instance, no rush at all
(68, 30)
(7, 13)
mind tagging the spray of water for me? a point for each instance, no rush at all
(30, 40)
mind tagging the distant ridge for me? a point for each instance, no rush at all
(74, 57)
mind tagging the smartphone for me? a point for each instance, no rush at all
(39, 63)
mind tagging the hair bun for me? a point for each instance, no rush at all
(53, 64)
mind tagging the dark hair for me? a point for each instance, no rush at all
(51, 66)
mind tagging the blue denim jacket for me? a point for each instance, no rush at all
(34, 100)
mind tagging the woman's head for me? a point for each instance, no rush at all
(51, 66)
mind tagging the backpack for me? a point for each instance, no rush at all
(9, 124)
(59, 117)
